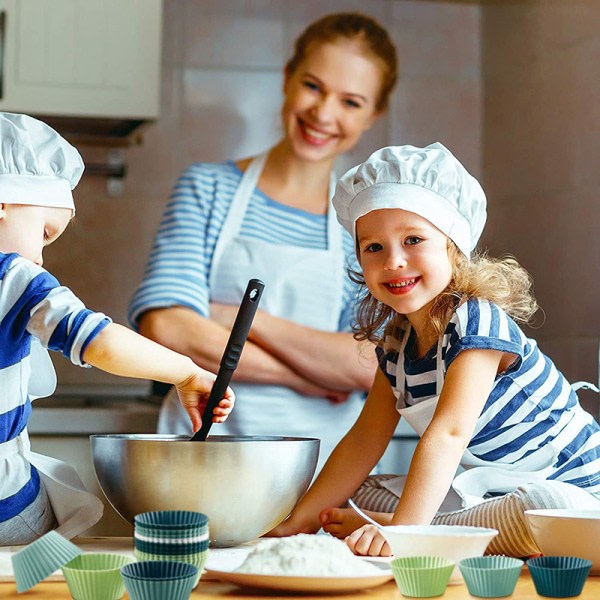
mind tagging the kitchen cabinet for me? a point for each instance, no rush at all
(81, 58)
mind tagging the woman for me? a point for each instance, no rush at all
(269, 217)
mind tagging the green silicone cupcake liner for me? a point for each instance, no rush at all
(559, 576)
(198, 560)
(96, 576)
(41, 558)
(491, 576)
(422, 576)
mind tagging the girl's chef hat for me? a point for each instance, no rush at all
(429, 181)
(37, 166)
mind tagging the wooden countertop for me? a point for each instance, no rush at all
(524, 591)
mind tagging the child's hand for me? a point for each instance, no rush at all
(194, 393)
(367, 541)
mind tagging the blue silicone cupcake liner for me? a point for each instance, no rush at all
(41, 558)
(491, 576)
(159, 580)
(559, 576)
(171, 519)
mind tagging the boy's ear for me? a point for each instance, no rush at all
(2, 210)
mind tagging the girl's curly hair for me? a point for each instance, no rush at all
(500, 280)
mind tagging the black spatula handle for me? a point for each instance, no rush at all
(232, 353)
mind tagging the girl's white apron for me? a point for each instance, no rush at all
(74, 507)
(479, 476)
(301, 285)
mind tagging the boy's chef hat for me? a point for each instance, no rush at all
(37, 166)
(429, 181)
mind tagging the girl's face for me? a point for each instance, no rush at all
(330, 99)
(405, 261)
(27, 230)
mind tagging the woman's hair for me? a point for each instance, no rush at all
(500, 280)
(352, 26)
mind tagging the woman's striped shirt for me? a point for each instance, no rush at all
(32, 304)
(531, 404)
(178, 268)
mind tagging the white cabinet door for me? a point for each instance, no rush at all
(81, 57)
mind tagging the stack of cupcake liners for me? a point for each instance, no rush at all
(172, 536)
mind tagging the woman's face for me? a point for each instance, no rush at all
(330, 99)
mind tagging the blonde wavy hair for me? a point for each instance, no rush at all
(499, 280)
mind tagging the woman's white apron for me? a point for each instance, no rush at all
(74, 507)
(301, 285)
(479, 477)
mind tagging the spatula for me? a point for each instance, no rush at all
(232, 353)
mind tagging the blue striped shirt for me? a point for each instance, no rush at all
(178, 268)
(531, 404)
(32, 304)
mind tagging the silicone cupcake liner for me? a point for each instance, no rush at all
(171, 519)
(158, 580)
(168, 534)
(491, 576)
(422, 576)
(198, 560)
(559, 576)
(170, 548)
(41, 558)
(96, 576)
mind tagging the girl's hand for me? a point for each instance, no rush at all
(194, 392)
(367, 541)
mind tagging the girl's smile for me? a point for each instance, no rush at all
(404, 259)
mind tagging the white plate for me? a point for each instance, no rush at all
(288, 583)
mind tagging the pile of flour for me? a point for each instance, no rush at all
(306, 555)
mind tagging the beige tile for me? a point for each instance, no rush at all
(233, 34)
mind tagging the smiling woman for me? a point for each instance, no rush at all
(269, 217)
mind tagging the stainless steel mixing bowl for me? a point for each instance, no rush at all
(246, 485)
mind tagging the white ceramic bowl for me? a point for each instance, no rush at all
(450, 541)
(567, 532)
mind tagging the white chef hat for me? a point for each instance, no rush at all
(429, 182)
(37, 166)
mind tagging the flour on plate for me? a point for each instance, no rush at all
(306, 555)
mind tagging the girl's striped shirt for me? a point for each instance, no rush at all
(531, 404)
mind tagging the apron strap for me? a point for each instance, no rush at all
(18, 445)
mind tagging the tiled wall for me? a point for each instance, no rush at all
(541, 155)
(222, 63)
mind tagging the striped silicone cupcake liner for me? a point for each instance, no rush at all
(170, 549)
(186, 537)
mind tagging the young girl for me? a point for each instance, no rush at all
(38, 170)
(453, 362)
(270, 216)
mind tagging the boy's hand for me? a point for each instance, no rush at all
(367, 541)
(194, 393)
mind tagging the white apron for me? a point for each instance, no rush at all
(479, 476)
(74, 507)
(302, 285)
